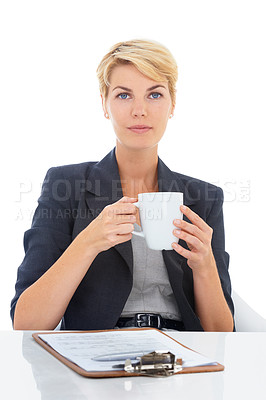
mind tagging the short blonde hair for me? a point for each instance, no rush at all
(151, 58)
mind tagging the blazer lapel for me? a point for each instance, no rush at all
(170, 181)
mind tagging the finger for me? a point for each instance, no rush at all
(184, 252)
(125, 218)
(123, 229)
(119, 231)
(125, 209)
(194, 218)
(191, 229)
(126, 205)
(190, 239)
(127, 199)
(124, 238)
(120, 208)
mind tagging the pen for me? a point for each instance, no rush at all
(121, 366)
(121, 356)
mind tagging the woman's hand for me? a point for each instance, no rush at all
(112, 226)
(198, 236)
(210, 304)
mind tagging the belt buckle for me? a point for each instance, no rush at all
(139, 321)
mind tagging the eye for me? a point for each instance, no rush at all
(122, 96)
(155, 95)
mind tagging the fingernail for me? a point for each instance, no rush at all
(177, 231)
(183, 208)
(177, 222)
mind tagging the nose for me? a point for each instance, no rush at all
(139, 109)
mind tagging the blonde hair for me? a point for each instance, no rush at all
(151, 58)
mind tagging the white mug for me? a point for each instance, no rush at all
(157, 211)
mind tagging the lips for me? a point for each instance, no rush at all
(139, 128)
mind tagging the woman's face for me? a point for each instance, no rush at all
(138, 107)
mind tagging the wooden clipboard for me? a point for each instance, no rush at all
(116, 374)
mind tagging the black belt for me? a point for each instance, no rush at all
(150, 320)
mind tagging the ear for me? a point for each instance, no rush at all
(172, 112)
(103, 104)
(104, 108)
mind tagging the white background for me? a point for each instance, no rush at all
(51, 110)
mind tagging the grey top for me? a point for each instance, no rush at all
(151, 291)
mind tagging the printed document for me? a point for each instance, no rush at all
(106, 351)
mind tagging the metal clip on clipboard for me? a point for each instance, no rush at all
(155, 364)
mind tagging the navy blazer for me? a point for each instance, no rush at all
(72, 196)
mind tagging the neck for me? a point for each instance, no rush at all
(137, 169)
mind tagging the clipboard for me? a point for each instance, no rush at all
(120, 373)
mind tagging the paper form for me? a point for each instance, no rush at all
(81, 348)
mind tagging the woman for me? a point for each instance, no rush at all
(82, 266)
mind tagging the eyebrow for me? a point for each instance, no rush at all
(129, 90)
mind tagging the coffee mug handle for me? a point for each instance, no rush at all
(134, 232)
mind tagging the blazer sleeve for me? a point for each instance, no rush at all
(50, 233)
(216, 221)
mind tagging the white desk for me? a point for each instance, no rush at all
(29, 372)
